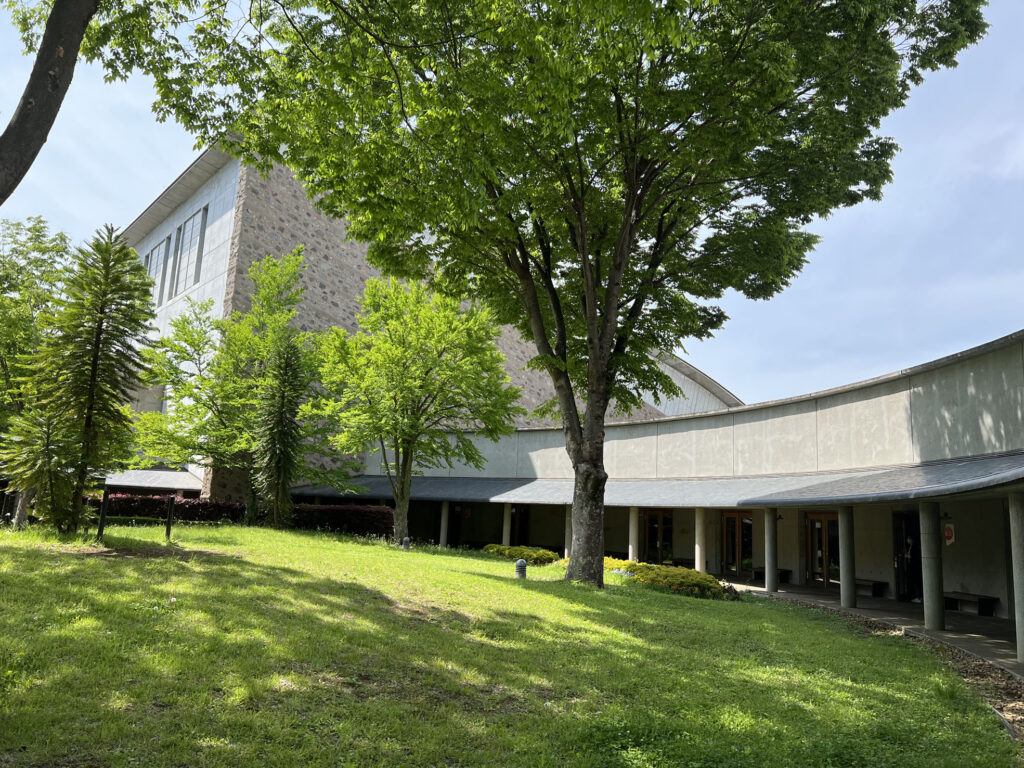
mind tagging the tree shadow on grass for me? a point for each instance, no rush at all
(197, 658)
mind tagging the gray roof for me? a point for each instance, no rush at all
(862, 486)
(163, 479)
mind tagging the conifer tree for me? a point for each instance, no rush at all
(89, 364)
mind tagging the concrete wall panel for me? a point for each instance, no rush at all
(542, 454)
(700, 447)
(631, 451)
(776, 439)
(866, 427)
(971, 407)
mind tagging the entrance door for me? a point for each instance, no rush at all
(738, 544)
(906, 544)
(658, 537)
(822, 548)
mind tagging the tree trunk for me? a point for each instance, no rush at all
(401, 517)
(587, 562)
(44, 93)
(21, 510)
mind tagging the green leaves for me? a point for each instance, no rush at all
(417, 386)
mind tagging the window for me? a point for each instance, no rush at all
(156, 268)
(188, 253)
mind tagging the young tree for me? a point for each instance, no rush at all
(598, 173)
(418, 379)
(84, 373)
(233, 389)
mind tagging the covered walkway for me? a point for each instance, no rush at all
(989, 638)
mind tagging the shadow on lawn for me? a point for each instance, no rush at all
(254, 663)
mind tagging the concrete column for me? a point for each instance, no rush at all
(700, 539)
(634, 534)
(847, 564)
(442, 539)
(506, 527)
(931, 566)
(771, 549)
(568, 530)
(1017, 553)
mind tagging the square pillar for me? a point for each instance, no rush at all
(700, 540)
(634, 534)
(568, 531)
(847, 565)
(931, 566)
(506, 527)
(1017, 558)
(442, 539)
(771, 549)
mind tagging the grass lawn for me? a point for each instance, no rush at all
(238, 647)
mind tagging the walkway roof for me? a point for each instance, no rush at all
(861, 486)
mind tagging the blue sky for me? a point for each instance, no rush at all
(935, 267)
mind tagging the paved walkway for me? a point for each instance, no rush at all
(990, 638)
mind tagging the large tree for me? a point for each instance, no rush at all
(415, 385)
(82, 378)
(599, 173)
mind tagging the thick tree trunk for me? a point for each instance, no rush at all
(401, 517)
(44, 93)
(587, 562)
(21, 510)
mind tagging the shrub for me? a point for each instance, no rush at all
(684, 581)
(534, 555)
(354, 519)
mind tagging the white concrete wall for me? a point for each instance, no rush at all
(220, 193)
(969, 405)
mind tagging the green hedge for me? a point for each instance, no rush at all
(684, 581)
(534, 555)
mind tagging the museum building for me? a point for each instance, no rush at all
(908, 486)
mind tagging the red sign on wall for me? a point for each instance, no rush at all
(949, 533)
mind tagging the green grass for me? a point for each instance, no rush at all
(241, 647)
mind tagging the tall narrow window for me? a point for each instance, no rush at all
(190, 251)
(155, 267)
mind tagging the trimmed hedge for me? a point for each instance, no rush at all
(684, 581)
(534, 555)
(354, 519)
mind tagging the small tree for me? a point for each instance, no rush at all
(417, 378)
(233, 389)
(85, 372)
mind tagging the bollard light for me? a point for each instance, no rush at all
(405, 543)
(520, 569)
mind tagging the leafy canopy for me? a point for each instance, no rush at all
(417, 384)
(598, 173)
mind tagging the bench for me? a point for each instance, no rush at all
(784, 574)
(873, 588)
(986, 603)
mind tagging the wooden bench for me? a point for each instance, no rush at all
(986, 603)
(873, 588)
(784, 575)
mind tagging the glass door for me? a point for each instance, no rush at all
(738, 544)
(658, 538)
(822, 548)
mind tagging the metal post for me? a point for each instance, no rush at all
(170, 514)
(771, 549)
(931, 566)
(104, 507)
(700, 539)
(442, 539)
(1017, 554)
(568, 531)
(506, 527)
(634, 534)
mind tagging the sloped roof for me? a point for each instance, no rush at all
(862, 486)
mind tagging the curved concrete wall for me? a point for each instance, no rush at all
(968, 404)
